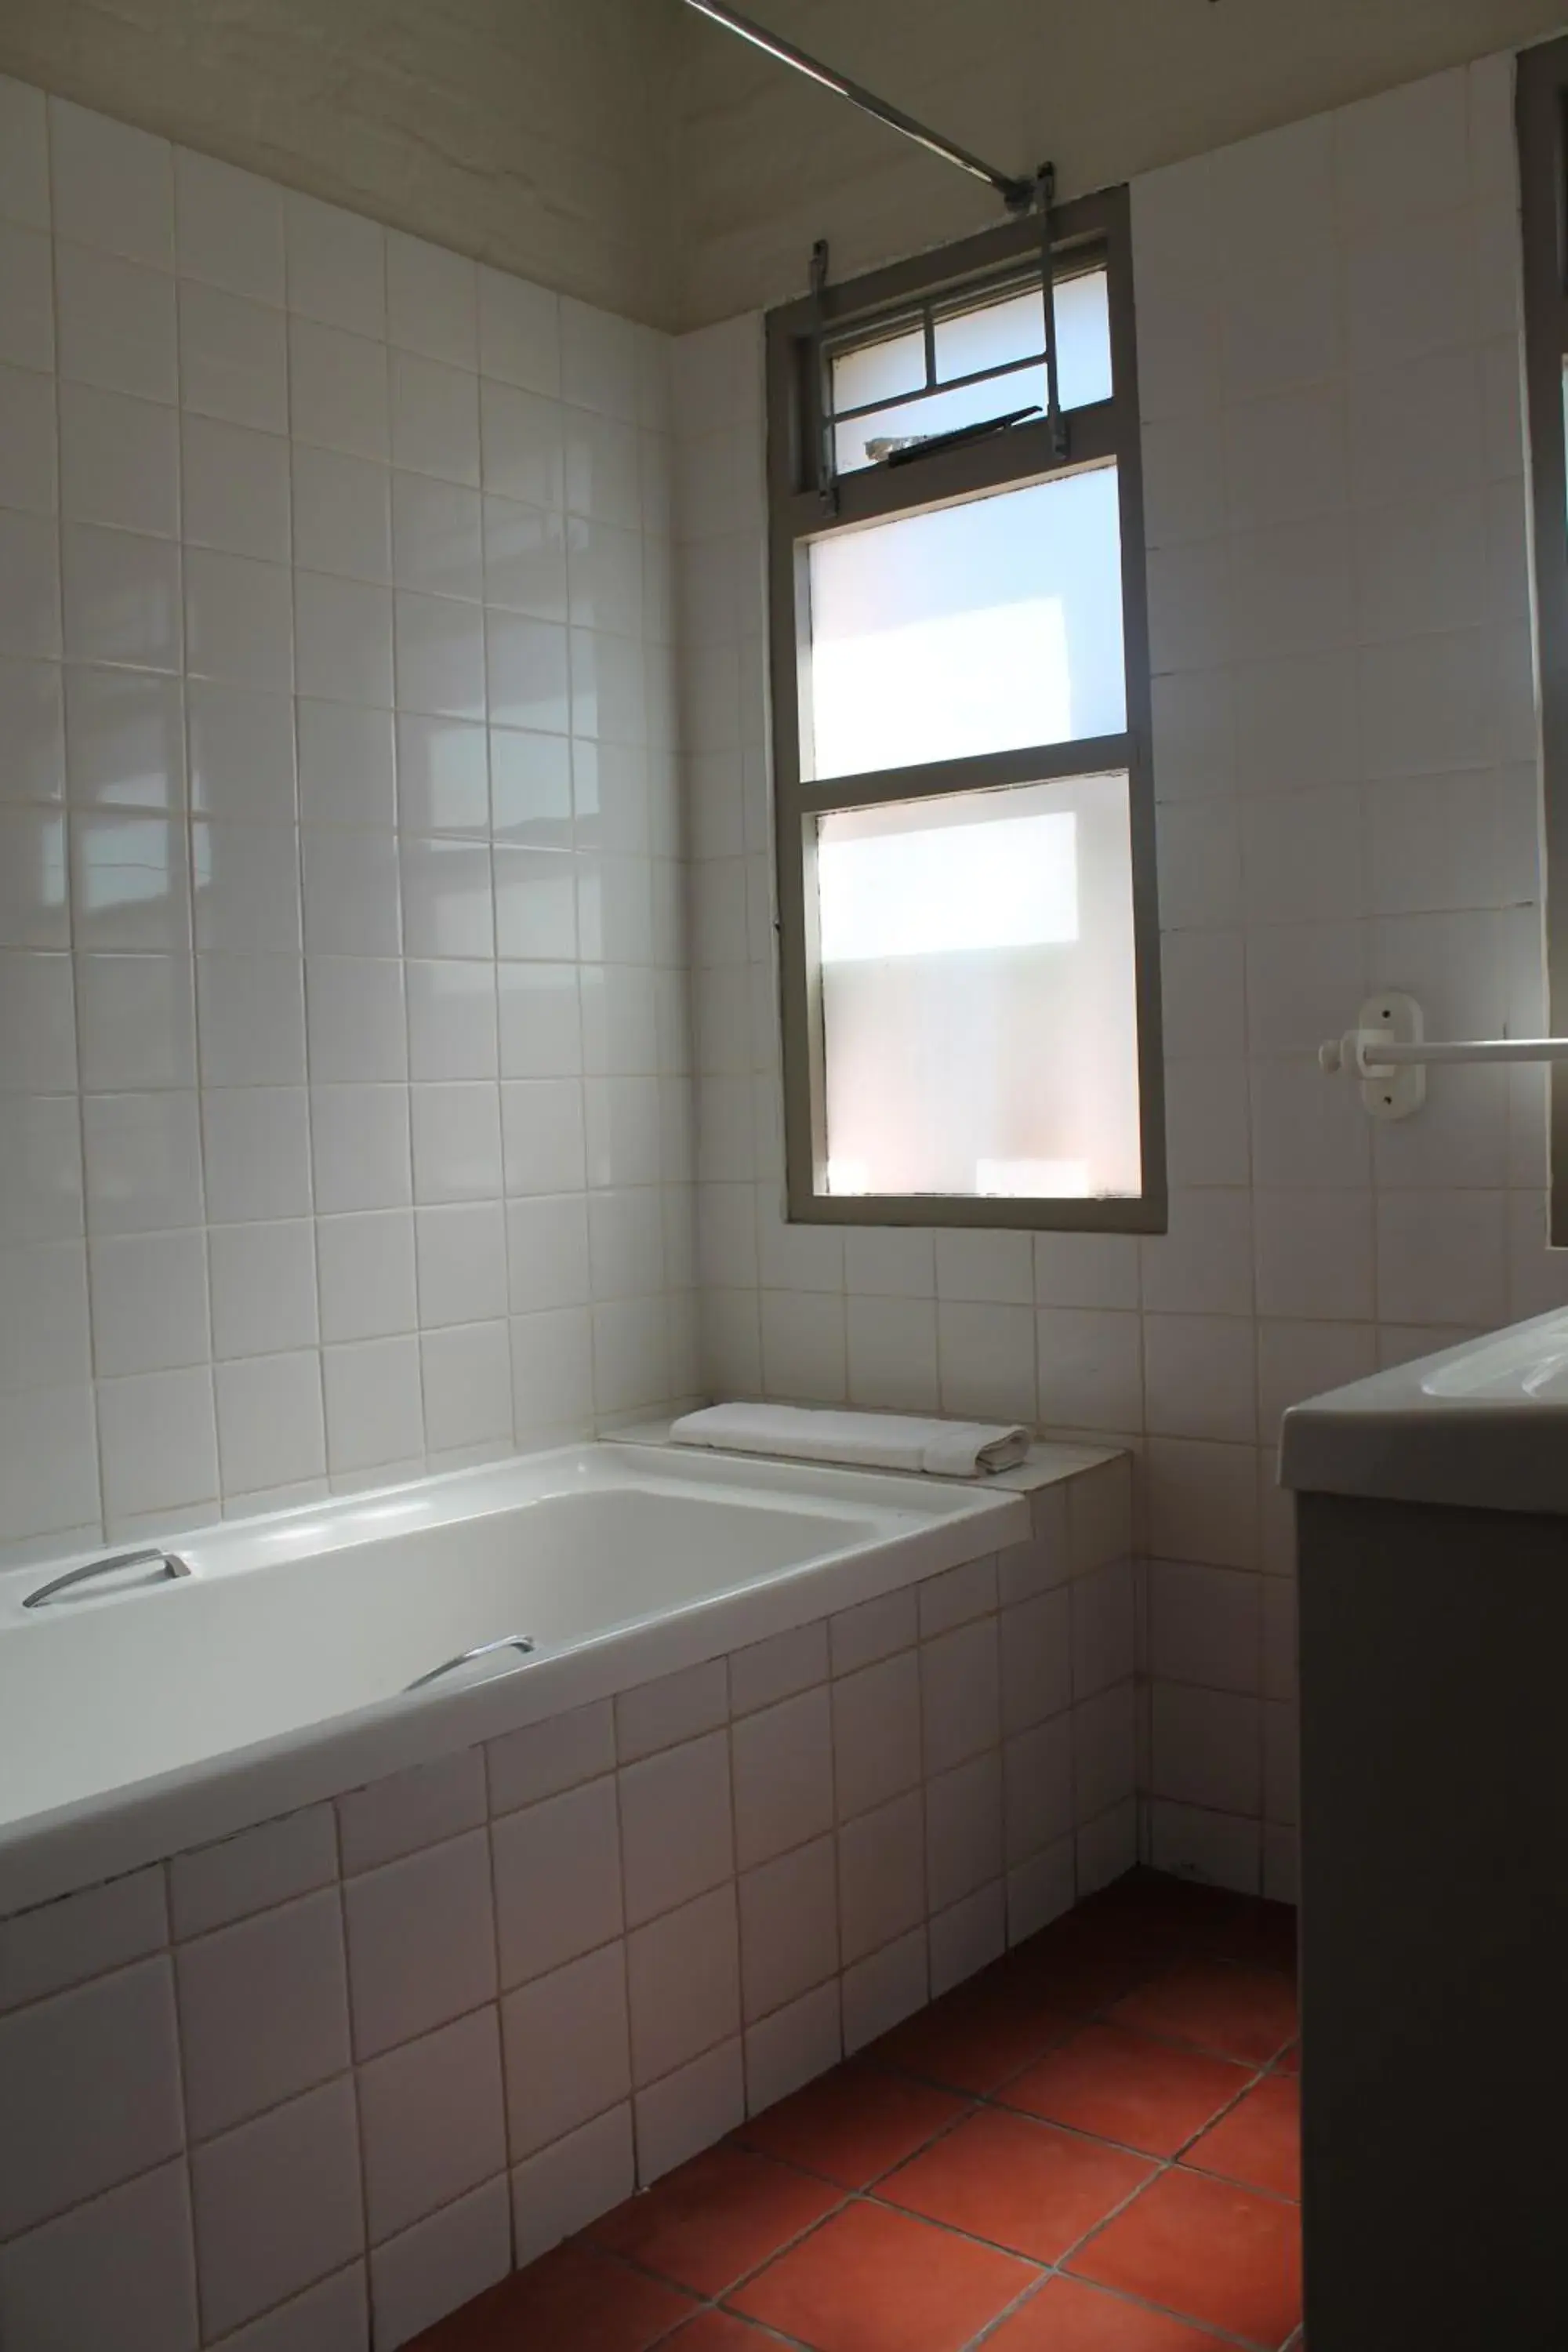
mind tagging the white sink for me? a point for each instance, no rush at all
(1484, 1424)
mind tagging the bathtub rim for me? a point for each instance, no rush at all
(60, 1852)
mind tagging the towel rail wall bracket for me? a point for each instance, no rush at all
(1388, 1052)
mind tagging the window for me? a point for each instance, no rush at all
(960, 688)
(1543, 171)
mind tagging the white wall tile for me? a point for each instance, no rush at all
(150, 1302)
(158, 1442)
(688, 2111)
(211, 1886)
(960, 1695)
(120, 458)
(434, 417)
(567, 2049)
(228, 226)
(263, 2012)
(431, 2122)
(675, 1825)
(117, 2033)
(270, 1422)
(684, 1981)
(881, 1878)
(547, 1758)
(432, 301)
(883, 1990)
(793, 2046)
(572, 2182)
(120, 2269)
(783, 1766)
(338, 390)
(423, 1806)
(651, 1716)
(234, 359)
(116, 323)
(442, 2262)
(1037, 1789)
(337, 265)
(789, 1927)
(421, 1942)
(1208, 1748)
(964, 1830)
(300, 2164)
(875, 1734)
(557, 1880)
(25, 182)
(81, 1936)
(235, 488)
(143, 1155)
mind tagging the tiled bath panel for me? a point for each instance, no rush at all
(1346, 770)
(318, 2083)
(344, 1129)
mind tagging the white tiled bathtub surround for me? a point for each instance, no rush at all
(430, 2029)
(343, 1029)
(1346, 765)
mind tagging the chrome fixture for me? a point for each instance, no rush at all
(482, 1650)
(167, 1564)
(1018, 195)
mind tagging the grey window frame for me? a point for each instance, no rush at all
(1091, 232)
(1541, 116)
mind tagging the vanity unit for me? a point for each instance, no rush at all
(1431, 1511)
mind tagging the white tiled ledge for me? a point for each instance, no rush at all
(437, 2024)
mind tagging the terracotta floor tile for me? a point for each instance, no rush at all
(874, 2280)
(573, 2300)
(719, 2331)
(715, 2219)
(1164, 1914)
(1264, 1935)
(854, 2125)
(1212, 2251)
(1259, 2142)
(1022, 2185)
(1082, 1969)
(977, 2036)
(1290, 2060)
(1126, 2087)
(1215, 2005)
(1068, 2317)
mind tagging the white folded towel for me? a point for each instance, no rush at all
(868, 1441)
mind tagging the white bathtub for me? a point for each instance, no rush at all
(141, 1714)
(337, 1998)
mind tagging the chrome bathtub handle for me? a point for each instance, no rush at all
(482, 1650)
(168, 1562)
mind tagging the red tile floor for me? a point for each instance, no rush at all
(1090, 2147)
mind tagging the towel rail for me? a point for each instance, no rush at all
(1389, 1053)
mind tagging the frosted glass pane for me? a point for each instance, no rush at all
(980, 1023)
(882, 371)
(994, 335)
(991, 336)
(982, 627)
(1083, 339)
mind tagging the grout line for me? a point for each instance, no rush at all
(974, 2104)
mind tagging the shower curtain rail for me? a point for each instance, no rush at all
(1017, 194)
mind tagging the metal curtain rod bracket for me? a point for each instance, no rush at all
(1018, 195)
(1388, 1052)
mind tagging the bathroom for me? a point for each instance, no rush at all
(413, 1099)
